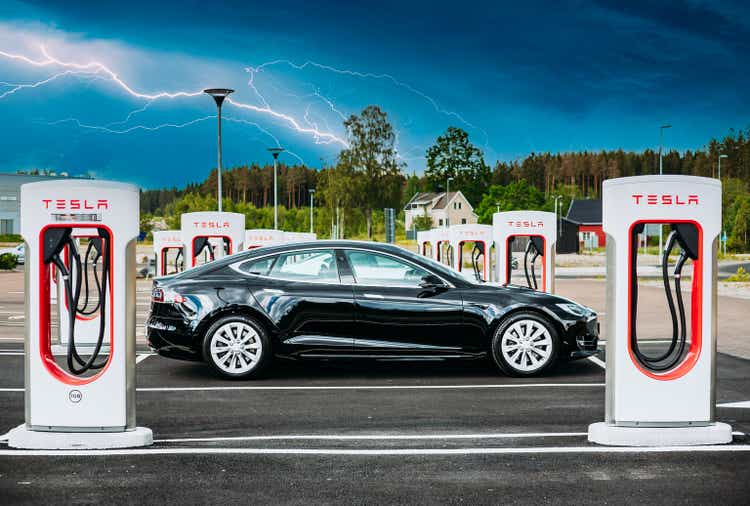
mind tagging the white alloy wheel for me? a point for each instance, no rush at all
(526, 345)
(236, 348)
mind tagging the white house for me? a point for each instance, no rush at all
(444, 209)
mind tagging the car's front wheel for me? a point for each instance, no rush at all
(237, 347)
(525, 344)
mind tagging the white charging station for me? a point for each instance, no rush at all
(88, 402)
(166, 242)
(540, 229)
(209, 235)
(290, 237)
(259, 237)
(441, 241)
(481, 238)
(424, 243)
(667, 397)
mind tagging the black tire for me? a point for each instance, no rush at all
(233, 328)
(541, 352)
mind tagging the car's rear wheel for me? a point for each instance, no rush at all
(237, 347)
(525, 344)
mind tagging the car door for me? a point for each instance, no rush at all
(302, 293)
(397, 313)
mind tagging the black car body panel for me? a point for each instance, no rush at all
(448, 317)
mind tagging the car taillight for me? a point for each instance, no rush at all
(166, 296)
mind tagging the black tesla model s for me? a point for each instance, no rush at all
(352, 299)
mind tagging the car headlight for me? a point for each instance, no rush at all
(574, 309)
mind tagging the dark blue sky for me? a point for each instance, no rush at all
(543, 76)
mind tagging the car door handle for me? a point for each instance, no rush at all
(372, 296)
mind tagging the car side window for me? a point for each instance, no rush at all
(258, 266)
(308, 265)
(382, 270)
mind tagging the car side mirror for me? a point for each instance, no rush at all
(431, 282)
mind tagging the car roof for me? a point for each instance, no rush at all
(455, 278)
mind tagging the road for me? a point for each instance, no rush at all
(376, 433)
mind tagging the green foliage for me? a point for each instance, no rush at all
(512, 197)
(11, 238)
(369, 165)
(453, 155)
(423, 222)
(8, 261)
(741, 276)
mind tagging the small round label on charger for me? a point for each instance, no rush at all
(75, 396)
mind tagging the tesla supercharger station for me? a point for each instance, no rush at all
(80, 401)
(441, 237)
(540, 227)
(424, 239)
(259, 237)
(166, 242)
(213, 233)
(667, 396)
(480, 236)
(290, 237)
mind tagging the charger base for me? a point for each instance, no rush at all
(23, 438)
(611, 435)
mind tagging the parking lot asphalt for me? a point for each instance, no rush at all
(375, 432)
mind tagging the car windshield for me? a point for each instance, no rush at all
(441, 269)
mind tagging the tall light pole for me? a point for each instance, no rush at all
(219, 94)
(661, 142)
(275, 152)
(720, 157)
(447, 197)
(312, 207)
(723, 232)
(557, 220)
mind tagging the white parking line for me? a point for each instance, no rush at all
(142, 357)
(377, 452)
(374, 437)
(597, 361)
(370, 387)
(352, 387)
(741, 404)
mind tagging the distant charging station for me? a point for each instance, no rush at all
(259, 237)
(290, 237)
(210, 235)
(662, 394)
(539, 230)
(424, 243)
(169, 251)
(85, 399)
(480, 237)
(441, 245)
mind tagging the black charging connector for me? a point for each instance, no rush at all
(686, 236)
(535, 247)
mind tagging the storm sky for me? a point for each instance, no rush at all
(115, 89)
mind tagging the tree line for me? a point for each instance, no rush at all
(369, 176)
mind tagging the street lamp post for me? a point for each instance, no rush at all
(312, 207)
(447, 197)
(557, 219)
(219, 94)
(723, 232)
(720, 157)
(275, 152)
(661, 139)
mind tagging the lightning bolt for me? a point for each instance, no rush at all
(95, 67)
(133, 128)
(365, 75)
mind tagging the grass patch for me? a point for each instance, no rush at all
(741, 276)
